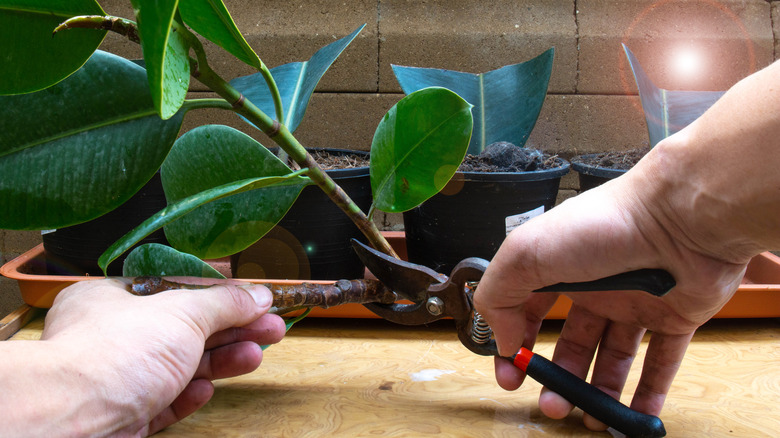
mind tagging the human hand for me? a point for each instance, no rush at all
(151, 359)
(622, 226)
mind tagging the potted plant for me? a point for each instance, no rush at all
(666, 112)
(480, 200)
(87, 129)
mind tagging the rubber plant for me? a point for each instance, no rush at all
(507, 102)
(665, 111)
(82, 130)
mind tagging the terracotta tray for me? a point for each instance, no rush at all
(757, 297)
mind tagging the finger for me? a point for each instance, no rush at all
(195, 395)
(508, 376)
(574, 352)
(663, 359)
(268, 329)
(222, 306)
(229, 361)
(615, 355)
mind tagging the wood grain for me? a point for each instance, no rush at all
(360, 378)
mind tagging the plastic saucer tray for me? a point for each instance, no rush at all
(757, 297)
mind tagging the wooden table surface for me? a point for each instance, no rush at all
(332, 377)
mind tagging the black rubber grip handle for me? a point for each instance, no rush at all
(593, 400)
(654, 281)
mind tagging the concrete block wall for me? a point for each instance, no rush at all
(591, 105)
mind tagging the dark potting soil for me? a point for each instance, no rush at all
(330, 161)
(621, 160)
(506, 157)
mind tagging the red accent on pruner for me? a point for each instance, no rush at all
(522, 358)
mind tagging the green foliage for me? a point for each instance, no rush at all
(666, 111)
(32, 58)
(212, 20)
(166, 54)
(417, 148)
(76, 143)
(178, 209)
(100, 143)
(296, 80)
(506, 101)
(213, 155)
(160, 260)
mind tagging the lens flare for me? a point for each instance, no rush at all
(687, 63)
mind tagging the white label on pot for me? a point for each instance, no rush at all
(47, 232)
(515, 221)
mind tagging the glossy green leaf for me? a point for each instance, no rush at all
(176, 210)
(31, 58)
(212, 20)
(506, 101)
(211, 156)
(153, 259)
(666, 111)
(166, 54)
(80, 148)
(296, 82)
(417, 148)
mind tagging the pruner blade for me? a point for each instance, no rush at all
(407, 280)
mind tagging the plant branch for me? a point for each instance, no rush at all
(122, 26)
(287, 142)
(287, 297)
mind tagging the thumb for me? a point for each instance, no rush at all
(223, 306)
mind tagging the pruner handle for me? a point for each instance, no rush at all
(657, 282)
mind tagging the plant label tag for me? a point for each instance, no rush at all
(515, 221)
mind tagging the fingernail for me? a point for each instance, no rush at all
(259, 293)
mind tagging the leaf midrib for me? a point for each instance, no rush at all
(73, 132)
(386, 182)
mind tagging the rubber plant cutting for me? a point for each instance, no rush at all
(84, 129)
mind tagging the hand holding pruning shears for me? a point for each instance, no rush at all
(435, 296)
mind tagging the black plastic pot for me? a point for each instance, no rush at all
(75, 250)
(312, 241)
(468, 217)
(591, 176)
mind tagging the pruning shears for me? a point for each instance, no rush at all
(435, 296)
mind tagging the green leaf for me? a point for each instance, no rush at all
(296, 82)
(213, 155)
(417, 147)
(153, 259)
(81, 148)
(175, 211)
(32, 59)
(667, 112)
(506, 101)
(166, 54)
(212, 20)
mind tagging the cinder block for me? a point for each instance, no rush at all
(283, 32)
(17, 242)
(776, 27)
(730, 39)
(333, 120)
(571, 125)
(10, 297)
(476, 37)
(564, 194)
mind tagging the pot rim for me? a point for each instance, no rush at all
(589, 169)
(536, 175)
